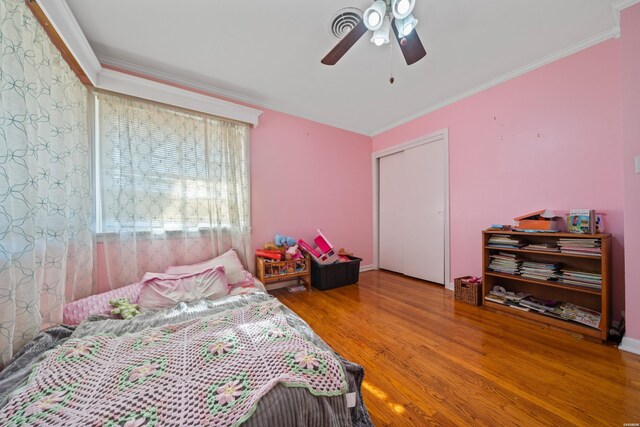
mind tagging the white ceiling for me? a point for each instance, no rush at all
(268, 52)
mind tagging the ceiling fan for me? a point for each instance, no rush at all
(382, 17)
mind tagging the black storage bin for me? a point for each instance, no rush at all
(335, 275)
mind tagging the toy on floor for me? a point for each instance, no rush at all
(124, 308)
(324, 253)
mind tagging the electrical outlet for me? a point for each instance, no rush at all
(637, 164)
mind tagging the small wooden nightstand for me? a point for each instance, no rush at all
(280, 271)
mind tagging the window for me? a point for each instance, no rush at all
(162, 169)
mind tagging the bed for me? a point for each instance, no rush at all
(238, 359)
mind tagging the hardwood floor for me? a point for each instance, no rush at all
(431, 360)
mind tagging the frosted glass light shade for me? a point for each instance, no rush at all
(374, 15)
(381, 35)
(402, 8)
(406, 25)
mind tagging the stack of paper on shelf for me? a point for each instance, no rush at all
(505, 263)
(539, 270)
(501, 296)
(539, 304)
(580, 246)
(543, 247)
(581, 278)
(580, 314)
(509, 242)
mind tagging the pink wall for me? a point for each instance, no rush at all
(548, 139)
(631, 136)
(306, 175)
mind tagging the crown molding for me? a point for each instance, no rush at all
(612, 32)
(618, 6)
(65, 23)
(217, 91)
(67, 27)
(128, 84)
(142, 71)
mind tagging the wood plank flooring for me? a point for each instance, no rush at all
(431, 360)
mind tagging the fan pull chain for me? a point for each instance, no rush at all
(391, 78)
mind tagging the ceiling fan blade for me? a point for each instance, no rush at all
(345, 44)
(413, 50)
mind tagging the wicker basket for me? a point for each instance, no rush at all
(465, 291)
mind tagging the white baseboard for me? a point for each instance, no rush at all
(367, 267)
(631, 345)
(449, 286)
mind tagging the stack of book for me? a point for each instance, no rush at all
(581, 278)
(539, 270)
(539, 305)
(501, 296)
(552, 308)
(580, 246)
(505, 263)
(508, 242)
(543, 247)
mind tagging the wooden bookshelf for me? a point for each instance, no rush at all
(595, 299)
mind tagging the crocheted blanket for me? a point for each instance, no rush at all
(208, 371)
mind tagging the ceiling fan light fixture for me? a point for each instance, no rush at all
(406, 25)
(402, 8)
(374, 15)
(381, 35)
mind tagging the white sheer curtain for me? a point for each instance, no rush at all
(173, 187)
(45, 200)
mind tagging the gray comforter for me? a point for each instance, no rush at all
(282, 406)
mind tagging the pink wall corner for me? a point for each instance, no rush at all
(630, 40)
(306, 175)
(548, 139)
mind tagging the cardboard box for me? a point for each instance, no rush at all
(543, 220)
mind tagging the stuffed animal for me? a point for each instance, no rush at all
(270, 246)
(124, 308)
(293, 253)
(281, 240)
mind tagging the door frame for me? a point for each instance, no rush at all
(441, 135)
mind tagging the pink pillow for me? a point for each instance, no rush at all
(77, 311)
(229, 260)
(166, 290)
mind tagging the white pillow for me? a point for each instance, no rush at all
(166, 290)
(229, 260)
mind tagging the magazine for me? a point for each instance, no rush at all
(581, 315)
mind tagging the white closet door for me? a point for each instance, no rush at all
(391, 218)
(412, 212)
(425, 209)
